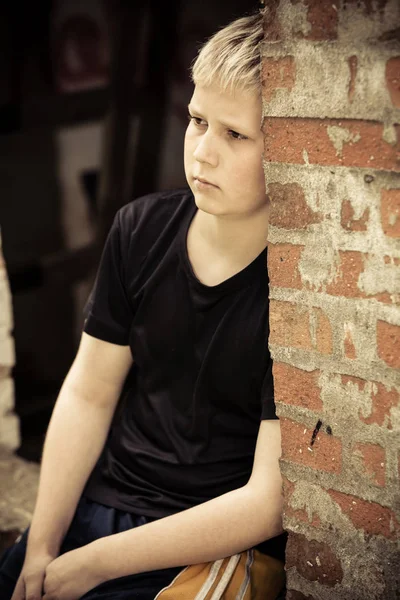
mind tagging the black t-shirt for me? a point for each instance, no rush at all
(186, 428)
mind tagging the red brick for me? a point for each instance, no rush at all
(388, 343)
(323, 18)
(325, 454)
(383, 400)
(349, 347)
(323, 332)
(350, 267)
(289, 209)
(352, 60)
(315, 561)
(277, 73)
(356, 380)
(288, 486)
(348, 221)
(297, 387)
(272, 25)
(349, 270)
(391, 260)
(283, 265)
(286, 139)
(392, 75)
(371, 517)
(390, 212)
(298, 514)
(289, 325)
(301, 515)
(374, 459)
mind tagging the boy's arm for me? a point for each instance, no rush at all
(75, 438)
(76, 435)
(215, 529)
(218, 528)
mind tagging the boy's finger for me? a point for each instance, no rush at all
(33, 588)
(19, 590)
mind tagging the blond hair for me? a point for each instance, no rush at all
(232, 56)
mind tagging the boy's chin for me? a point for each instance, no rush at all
(206, 204)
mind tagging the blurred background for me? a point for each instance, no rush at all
(93, 110)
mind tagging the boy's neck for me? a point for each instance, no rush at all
(236, 239)
(218, 248)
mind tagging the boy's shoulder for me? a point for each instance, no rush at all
(157, 207)
(152, 220)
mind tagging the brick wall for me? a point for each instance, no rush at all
(9, 428)
(331, 90)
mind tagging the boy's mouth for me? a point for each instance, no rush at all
(203, 181)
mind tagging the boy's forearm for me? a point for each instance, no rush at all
(74, 441)
(221, 527)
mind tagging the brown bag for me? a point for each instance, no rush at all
(249, 575)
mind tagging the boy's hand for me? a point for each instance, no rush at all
(30, 582)
(71, 575)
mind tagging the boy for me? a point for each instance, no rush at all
(179, 467)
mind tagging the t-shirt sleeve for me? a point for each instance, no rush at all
(267, 395)
(108, 312)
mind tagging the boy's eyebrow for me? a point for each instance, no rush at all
(238, 128)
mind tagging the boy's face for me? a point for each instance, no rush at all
(223, 152)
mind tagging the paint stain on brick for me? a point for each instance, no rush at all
(315, 561)
(277, 73)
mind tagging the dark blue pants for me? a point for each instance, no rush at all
(91, 522)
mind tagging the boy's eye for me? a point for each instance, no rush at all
(196, 120)
(235, 135)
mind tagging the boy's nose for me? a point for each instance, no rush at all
(205, 151)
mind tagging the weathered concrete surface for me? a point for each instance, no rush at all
(18, 488)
